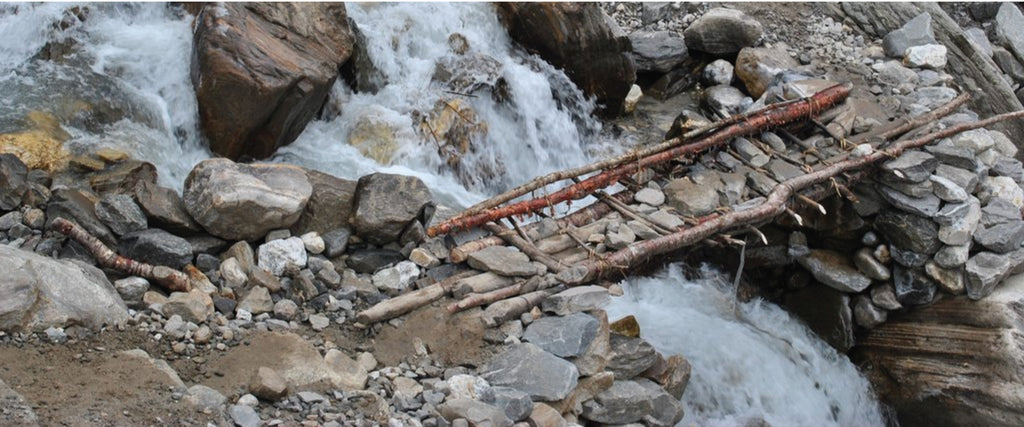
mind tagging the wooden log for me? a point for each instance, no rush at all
(402, 304)
(756, 123)
(775, 204)
(480, 283)
(169, 278)
(508, 309)
(525, 246)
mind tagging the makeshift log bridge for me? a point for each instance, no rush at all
(619, 232)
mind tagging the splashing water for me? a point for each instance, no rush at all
(750, 360)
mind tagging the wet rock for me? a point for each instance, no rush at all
(275, 256)
(657, 51)
(79, 206)
(909, 231)
(926, 56)
(758, 67)
(916, 32)
(580, 39)
(262, 71)
(386, 204)
(718, 72)
(834, 269)
(165, 209)
(475, 412)
(157, 247)
(566, 336)
(826, 311)
(1010, 28)
(725, 100)
(576, 299)
(907, 258)
(867, 314)
(13, 181)
(871, 267)
(237, 201)
(912, 286)
(1001, 238)
(632, 99)
(912, 166)
(935, 384)
(630, 356)
(985, 270)
(530, 369)
(722, 32)
(502, 260)
(329, 206)
(36, 294)
(624, 402)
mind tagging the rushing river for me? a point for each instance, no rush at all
(130, 67)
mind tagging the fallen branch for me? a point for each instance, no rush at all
(757, 122)
(167, 277)
(775, 204)
(397, 306)
(526, 247)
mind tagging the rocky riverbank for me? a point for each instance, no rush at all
(282, 259)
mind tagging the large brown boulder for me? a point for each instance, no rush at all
(580, 39)
(955, 362)
(261, 71)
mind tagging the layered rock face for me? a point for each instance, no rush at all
(580, 39)
(261, 71)
(957, 361)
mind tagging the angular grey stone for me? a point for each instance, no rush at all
(871, 267)
(926, 56)
(474, 412)
(386, 204)
(722, 31)
(985, 270)
(867, 314)
(916, 32)
(624, 402)
(257, 301)
(157, 247)
(1001, 238)
(566, 336)
(953, 256)
(690, 197)
(912, 286)
(204, 397)
(999, 211)
(502, 260)
(833, 269)
(335, 242)
(909, 232)
(977, 35)
(576, 299)
(977, 140)
(950, 280)
(1010, 28)
(912, 189)
(9, 220)
(78, 206)
(1008, 167)
(907, 258)
(395, 280)
(658, 51)
(1003, 144)
(630, 356)
(926, 206)
(725, 99)
(641, 230)
(121, 214)
(516, 404)
(749, 152)
(668, 410)
(666, 219)
(931, 97)
(893, 73)
(13, 181)
(194, 306)
(131, 288)
(276, 255)
(237, 201)
(530, 369)
(718, 72)
(783, 170)
(912, 166)
(884, 296)
(244, 416)
(650, 196)
(947, 190)
(620, 238)
(956, 157)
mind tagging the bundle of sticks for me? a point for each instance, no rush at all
(507, 298)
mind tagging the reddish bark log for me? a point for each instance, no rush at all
(771, 118)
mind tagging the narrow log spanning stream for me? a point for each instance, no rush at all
(131, 69)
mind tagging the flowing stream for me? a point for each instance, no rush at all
(126, 85)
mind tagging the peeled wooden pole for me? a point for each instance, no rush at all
(167, 277)
(775, 204)
(774, 117)
(397, 306)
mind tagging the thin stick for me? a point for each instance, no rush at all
(167, 277)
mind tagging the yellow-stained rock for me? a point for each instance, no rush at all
(627, 326)
(41, 146)
(374, 138)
